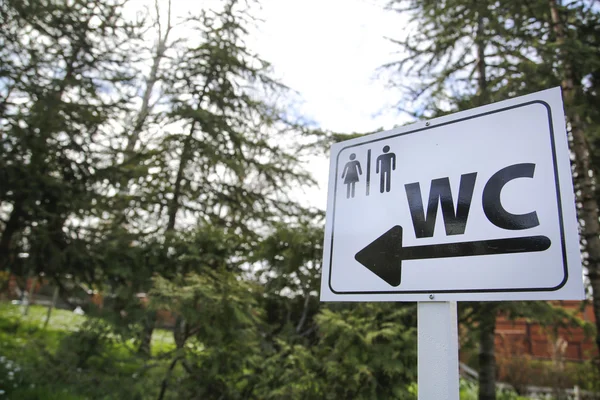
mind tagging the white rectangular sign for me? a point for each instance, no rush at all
(477, 205)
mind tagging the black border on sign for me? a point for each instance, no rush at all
(559, 203)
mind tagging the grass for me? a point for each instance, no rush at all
(64, 362)
(67, 321)
(61, 320)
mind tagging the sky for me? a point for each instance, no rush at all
(329, 52)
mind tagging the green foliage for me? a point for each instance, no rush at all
(369, 351)
(44, 361)
(468, 391)
(170, 193)
(497, 51)
(44, 393)
(216, 305)
(360, 352)
(553, 374)
(290, 259)
(11, 376)
(212, 182)
(91, 340)
(60, 58)
(219, 343)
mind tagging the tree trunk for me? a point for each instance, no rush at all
(29, 295)
(161, 48)
(304, 312)
(588, 212)
(487, 311)
(165, 382)
(487, 358)
(148, 326)
(149, 322)
(51, 306)
(174, 205)
(180, 332)
(11, 227)
(482, 84)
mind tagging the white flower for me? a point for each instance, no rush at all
(2, 392)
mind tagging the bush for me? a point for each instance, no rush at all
(44, 393)
(91, 340)
(11, 376)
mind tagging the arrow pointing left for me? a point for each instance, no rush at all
(385, 254)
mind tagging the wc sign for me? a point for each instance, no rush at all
(478, 205)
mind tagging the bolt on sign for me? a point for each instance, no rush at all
(478, 205)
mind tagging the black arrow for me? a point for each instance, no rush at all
(385, 254)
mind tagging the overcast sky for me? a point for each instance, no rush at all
(328, 51)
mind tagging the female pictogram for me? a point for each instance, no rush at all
(351, 172)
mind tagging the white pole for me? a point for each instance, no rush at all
(438, 350)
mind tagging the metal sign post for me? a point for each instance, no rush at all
(437, 350)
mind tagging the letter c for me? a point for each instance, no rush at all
(491, 199)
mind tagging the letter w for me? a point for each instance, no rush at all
(455, 222)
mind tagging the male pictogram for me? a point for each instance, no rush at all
(351, 172)
(386, 163)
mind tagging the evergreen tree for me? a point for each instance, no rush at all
(228, 154)
(63, 67)
(469, 53)
(362, 351)
(575, 47)
(226, 159)
(179, 183)
(289, 262)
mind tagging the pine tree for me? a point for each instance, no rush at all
(289, 262)
(577, 48)
(469, 53)
(63, 67)
(226, 157)
(232, 167)
(231, 162)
